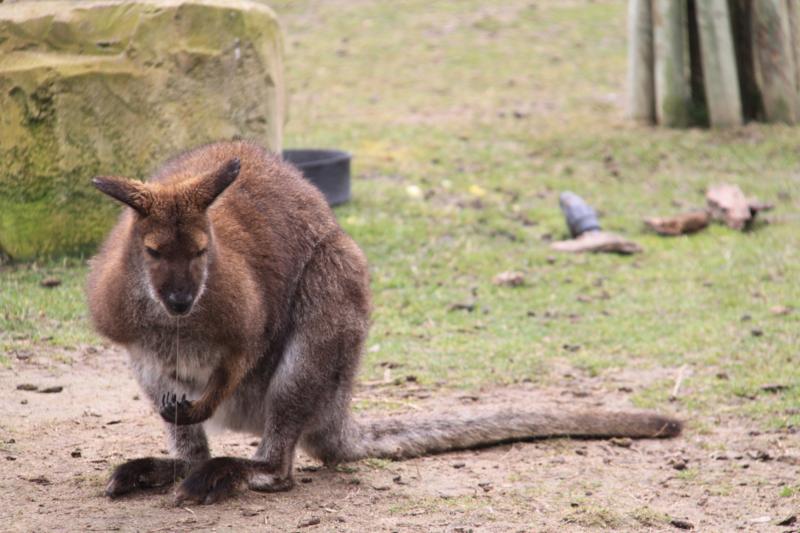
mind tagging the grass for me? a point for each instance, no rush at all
(31, 314)
(595, 517)
(490, 110)
(648, 517)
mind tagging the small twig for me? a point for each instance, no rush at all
(374, 383)
(678, 381)
(384, 400)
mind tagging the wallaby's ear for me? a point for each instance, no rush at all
(210, 186)
(130, 193)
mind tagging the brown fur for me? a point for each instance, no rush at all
(231, 284)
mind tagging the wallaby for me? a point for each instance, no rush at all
(242, 302)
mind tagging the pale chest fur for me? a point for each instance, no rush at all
(181, 363)
(158, 372)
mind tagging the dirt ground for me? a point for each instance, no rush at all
(57, 450)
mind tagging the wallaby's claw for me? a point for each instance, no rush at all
(178, 412)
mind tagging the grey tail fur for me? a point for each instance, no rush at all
(401, 437)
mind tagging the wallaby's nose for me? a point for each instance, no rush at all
(179, 302)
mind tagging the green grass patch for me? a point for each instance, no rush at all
(31, 313)
(595, 517)
(490, 111)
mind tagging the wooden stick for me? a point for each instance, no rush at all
(641, 84)
(775, 68)
(670, 38)
(794, 38)
(719, 64)
(741, 12)
(678, 381)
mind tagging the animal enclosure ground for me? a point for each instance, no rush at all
(466, 119)
(61, 446)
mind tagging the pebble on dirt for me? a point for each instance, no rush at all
(780, 310)
(310, 522)
(681, 524)
(39, 480)
(509, 279)
(50, 282)
(774, 387)
(468, 307)
(678, 464)
(623, 442)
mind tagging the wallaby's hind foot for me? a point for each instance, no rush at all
(222, 477)
(212, 481)
(145, 473)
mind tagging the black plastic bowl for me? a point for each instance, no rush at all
(329, 170)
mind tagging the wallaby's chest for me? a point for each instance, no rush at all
(183, 360)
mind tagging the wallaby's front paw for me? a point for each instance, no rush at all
(144, 473)
(174, 410)
(212, 481)
(181, 412)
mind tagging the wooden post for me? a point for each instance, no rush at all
(671, 50)
(794, 40)
(775, 67)
(741, 12)
(718, 61)
(698, 111)
(719, 64)
(641, 90)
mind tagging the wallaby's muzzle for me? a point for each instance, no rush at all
(179, 303)
(177, 284)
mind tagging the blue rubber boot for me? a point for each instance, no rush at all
(580, 215)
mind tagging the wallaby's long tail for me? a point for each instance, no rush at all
(403, 437)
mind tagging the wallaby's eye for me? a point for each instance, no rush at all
(200, 253)
(152, 252)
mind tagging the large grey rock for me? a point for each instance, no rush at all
(101, 87)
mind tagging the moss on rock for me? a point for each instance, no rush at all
(108, 87)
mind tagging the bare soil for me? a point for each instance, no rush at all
(57, 449)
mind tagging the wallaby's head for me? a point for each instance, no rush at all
(171, 235)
